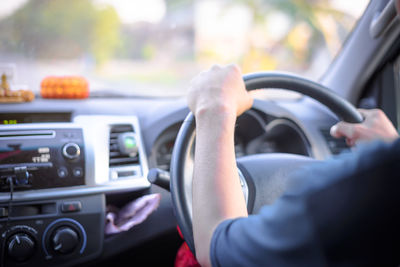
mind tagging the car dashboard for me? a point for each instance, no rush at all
(63, 162)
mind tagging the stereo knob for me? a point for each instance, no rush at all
(71, 151)
(20, 247)
(65, 240)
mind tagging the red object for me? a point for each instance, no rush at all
(184, 257)
(72, 87)
(179, 232)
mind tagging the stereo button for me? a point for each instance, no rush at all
(71, 151)
(71, 206)
(3, 212)
(62, 172)
(77, 172)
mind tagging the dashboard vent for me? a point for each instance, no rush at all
(335, 145)
(121, 137)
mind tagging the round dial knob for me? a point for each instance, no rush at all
(71, 151)
(20, 247)
(65, 240)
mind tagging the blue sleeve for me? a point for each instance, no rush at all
(294, 230)
(280, 235)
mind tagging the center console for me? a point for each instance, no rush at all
(53, 182)
(57, 232)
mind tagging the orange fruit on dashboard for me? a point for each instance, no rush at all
(72, 87)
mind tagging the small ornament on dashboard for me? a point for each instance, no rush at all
(13, 96)
(66, 87)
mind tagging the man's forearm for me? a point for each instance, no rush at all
(217, 193)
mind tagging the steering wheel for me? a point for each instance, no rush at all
(263, 176)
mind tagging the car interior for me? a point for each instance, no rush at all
(67, 164)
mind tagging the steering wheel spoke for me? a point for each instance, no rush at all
(268, 175)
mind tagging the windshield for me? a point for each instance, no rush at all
(155, 47)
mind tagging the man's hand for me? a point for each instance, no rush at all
(219, 91)
(376, 125)
(216, 97)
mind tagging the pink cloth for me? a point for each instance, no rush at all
(133, 213)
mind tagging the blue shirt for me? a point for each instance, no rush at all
(340, 212)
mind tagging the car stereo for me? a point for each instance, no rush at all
(41, 158)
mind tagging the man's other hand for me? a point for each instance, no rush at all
(376, 125)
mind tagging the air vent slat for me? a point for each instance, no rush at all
(121, 129)
(114, 154)
(114, 147)
(122, 161)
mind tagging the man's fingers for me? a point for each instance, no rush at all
(343, 129)
(350, 142)
(334, 131)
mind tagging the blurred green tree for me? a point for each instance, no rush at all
(61, 29)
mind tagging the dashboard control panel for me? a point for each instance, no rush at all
(42, 158)
(56, 235)
(53, 181)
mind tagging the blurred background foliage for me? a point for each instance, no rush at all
(62, 29)
(300, 36)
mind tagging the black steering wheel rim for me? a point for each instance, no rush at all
(260, 80)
